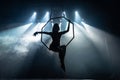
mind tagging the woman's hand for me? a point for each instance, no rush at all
(35, 33)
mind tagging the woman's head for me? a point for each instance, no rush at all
(56, 27)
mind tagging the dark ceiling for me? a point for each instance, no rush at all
(100, 13)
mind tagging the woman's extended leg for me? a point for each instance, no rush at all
(62, 56)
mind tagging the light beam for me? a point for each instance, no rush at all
(46, 17)
(77, 17)
(33, 17)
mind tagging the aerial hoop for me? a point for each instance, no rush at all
(53, 19)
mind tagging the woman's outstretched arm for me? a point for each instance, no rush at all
(63, 32)
(48, 33)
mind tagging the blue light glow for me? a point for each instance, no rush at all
(46, 17)
(77, 17)
(33, 17)
(64, 14)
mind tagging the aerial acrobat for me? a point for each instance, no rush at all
(56, 36)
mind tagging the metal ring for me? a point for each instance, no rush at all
(57, 18)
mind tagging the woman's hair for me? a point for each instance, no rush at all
(56, 27)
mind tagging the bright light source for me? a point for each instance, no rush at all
(33, 17)
(77, 17)
(46, 17)
(47, 13)
(76, 12)
(64, 14)
(34, 13)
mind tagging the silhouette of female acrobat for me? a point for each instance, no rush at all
(55, 45)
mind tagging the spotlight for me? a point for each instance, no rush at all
(34, 13)
(47, 13)
(33, 17)
(77, 16)
(46, 17)
(64, 14)
(76, 12)
(78, 19)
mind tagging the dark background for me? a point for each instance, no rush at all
(103, 14)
